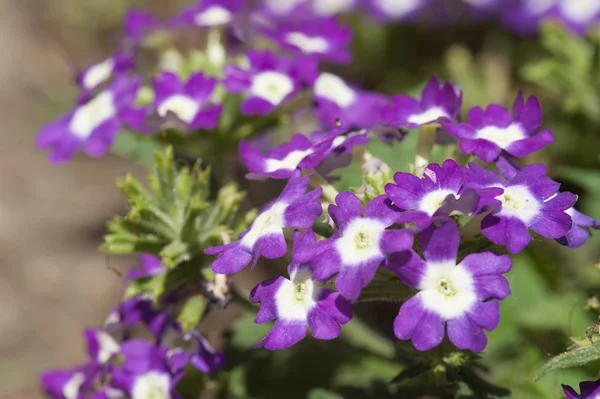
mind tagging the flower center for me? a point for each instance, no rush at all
(502, 137)
(91, 115)
(361, 240)
(269, 222)
(183, 106)
(307, 44)
(518, 202)
(272, 86)
(156, 393)
(290, 162)
(301, 290)
(335, 89)
(433, 201)
(445, 287)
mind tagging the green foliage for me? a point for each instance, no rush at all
(574, 358)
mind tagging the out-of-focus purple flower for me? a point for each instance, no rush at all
(139, 23)
(136, 310)
(323, 38)
(149, 266)
(589, 390)
(524, 16)
(67, 384)
(335, 99)
(268, 81)
(529, 200)
(204, 357)
(361, 244)
(93, 76)
(487, 133)
(293, 209)
(306, 9)
(325, 8)
(460, 299)
(101, 345)
(300, 302)
(209, 13)
(580, 231)
(436, 195)
(439, 103)
(92, 125)
(396, 9)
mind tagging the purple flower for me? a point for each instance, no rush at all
(209, 13)
(589, 390)
(323, 38)
(268, 81)
(436, 195)
(300, 302)
(325, 8)
(460, 299)
(186, 106)
(136, 310)
(203, 356)
(487, 133)
(293, 209)
(306, 9)
(67, 384)
(396, 9)
(101, 345)
(149, 266)
(92, 125)
(93, 76)
(335, 99)
(361, 244)
(439, 102)
(139, 23)
(524, 16)
(529, 200)
(576, 16)
(580, 231)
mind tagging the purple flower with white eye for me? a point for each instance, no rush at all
(396, 9)
(322, 38)
(101, 345)
(528, 200)
(268, 81)
(293, 209)
(67, 384)
(460, 299)
(93, 76)
(487, 133)
(576, 16)
(589, 390)
(283, 161)
(580, 231)
(300, 301)
(361, 244)
(438, 103)
(435, 195)
(335, 99)
(209, 13)
(92, 125)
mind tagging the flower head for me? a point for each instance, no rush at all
(528, 200)
(580, 231)
(101, 345)
(361, 244)
(67, 384)
(300, 301)
(323, 38)
(439, 102)
(487, 133)
(396, 9)
(268, 81)
(589, 390)
(139, 23)
(92, 125)
(460, 299)
(293, 209)
(336, 100)
(209, 13)
(435, 195)
(94, 75)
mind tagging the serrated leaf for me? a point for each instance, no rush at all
(574, 358)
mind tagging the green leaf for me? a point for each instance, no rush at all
(320, 393)
(191, 313)
(574, 358)
(136, 146)
(247, 333)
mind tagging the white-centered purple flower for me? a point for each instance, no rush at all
(438, 103)
(268, 80)
(337, 100)
(209, 13)
(461, 300)
(300, 301)
(68, 384)
(101, 345)
(580, 231)
(361, 244)
(487, 133)
(97, 74)
(529, 200)
(396, 9)
(588, 389)
(325, 38)
(435, 195)
(293, 209)
(92, 125)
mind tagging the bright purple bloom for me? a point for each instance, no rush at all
(101, 345)
(361, 244)
(529, 200)
(184, 105)
(396, 9)
(92, 125)
(93, 76)
(460, 299)
(323, 38)
(439, 102)
(435, 195)
(487, 133)
(209, 13)
(580, 231)
(589, 390)
(335, 99)
(139, 23)
(300, 302)
(268, 81)
(293, 209)
(67, 384)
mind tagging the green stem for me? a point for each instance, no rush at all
(360, 335)
(329, 192)
(323, 229)
(425, 145)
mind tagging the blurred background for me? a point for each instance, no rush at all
(54, 281)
